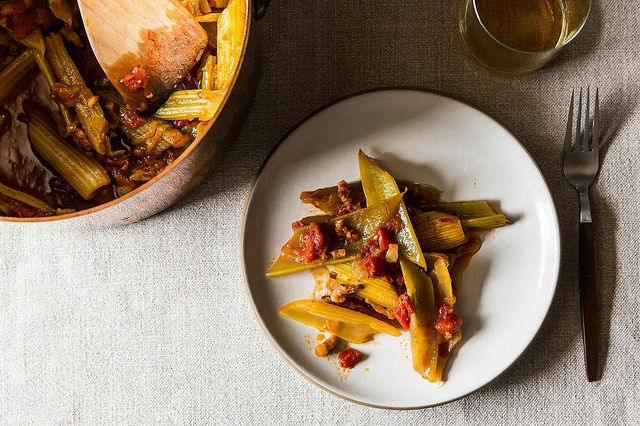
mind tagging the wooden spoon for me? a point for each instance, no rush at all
(160, 36)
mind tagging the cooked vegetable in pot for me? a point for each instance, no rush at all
(68, 141)
(384, 260)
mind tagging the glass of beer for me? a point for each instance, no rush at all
(519, 36)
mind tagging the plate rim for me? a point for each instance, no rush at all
(243, 221)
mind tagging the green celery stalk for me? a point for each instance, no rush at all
(365, 222)
(424, 338)
(379, 186)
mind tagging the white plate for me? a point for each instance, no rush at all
(432, 139)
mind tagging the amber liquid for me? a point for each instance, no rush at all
(528, 25)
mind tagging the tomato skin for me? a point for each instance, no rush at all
(383, 239)
(349, 357)
(372, 257)
(403, 312)
(313, 244)
(376, 266)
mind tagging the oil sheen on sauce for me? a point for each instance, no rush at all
(20, 168)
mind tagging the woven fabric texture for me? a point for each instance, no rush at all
(148, 323)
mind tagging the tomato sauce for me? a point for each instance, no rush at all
(20, 168)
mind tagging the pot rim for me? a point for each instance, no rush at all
(166, 170)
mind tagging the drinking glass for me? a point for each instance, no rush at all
(487, 49)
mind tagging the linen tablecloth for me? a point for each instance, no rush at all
(148, 323)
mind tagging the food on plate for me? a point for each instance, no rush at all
(385, 255)
(68, 141)
(349, 358)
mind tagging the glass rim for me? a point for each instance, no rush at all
(578, 31)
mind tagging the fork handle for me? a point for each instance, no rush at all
(588, 298)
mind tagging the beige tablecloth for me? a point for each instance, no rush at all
(148, 323)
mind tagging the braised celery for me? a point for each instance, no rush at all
(486, 222)
(338, 313)
(327, 199)
(24, 198)
(432, 257)
(353, 333)
(89, 113)
(34, 40)
(200, 104)
(441, 278)
(208, 73)
(156, 136)
(443, 356)
(463, 256)
(62, 10)
(374, 290)
(229, 40)
(83, 173)
(378, 186)
(365, 222)
(472, 214)
(16, 71)
(424, 339)
(439, 231)
(47, 73)
(465, 209)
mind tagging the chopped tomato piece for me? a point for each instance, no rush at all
(179, 124)
(383, 239)
(313, 244)
(24, 24)
(447, 323)
(403, 311)
(132, 119)
(65, 94)
(376, 266)
(136, 79)
(349, 358)
(371, 260)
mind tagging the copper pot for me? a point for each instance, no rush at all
(194, 164)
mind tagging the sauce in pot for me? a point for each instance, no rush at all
(20, 168)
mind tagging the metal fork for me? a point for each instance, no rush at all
(581, 162)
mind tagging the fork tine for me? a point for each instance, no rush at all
(595, 135)
(585, 136)
(569, 134)
(578, 144)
